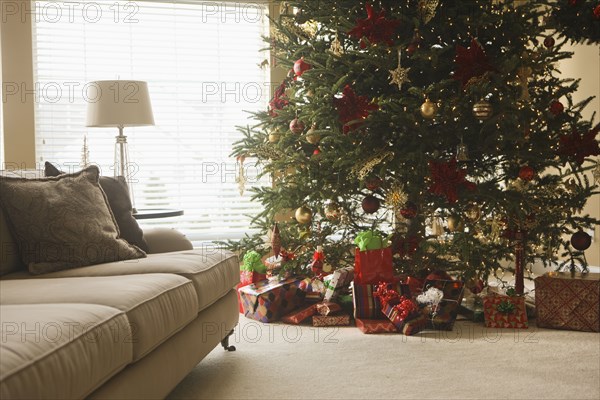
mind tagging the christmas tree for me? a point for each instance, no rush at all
(442, 124)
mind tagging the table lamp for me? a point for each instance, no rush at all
(119, 103)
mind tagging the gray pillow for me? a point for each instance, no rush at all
(63, 222)
(119, 202)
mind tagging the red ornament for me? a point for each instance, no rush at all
(471, 62)
(556, 107)
(526, 173)
(581, 241)
(301, 67)
(279, 100)
(373, 183)
(596, 12)
(447, 179)
(297, 126)
(351, 107)
(549, 42)
(318, 261)
(573, 2)
(578, 146)
(376, 28)
(370, 204)
(316, 152)
(409, 211)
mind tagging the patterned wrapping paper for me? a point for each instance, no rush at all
(267, 301)
(370, 326)
(495, 318)
(331, 320)
(338, 279)
(367, 306)
(296, 317)
(328, 308)
(408, 326)
(246, 278)
(447, 310)
(566, 301)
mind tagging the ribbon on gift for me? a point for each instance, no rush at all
(506, 307)
(369, 240)
(252, 263)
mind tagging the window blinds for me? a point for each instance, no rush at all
(202, 64)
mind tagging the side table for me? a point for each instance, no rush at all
(151, 213)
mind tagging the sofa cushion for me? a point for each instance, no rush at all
(117, 194)
(60, 351)
(10, 259)
(213, 273)
(63, 222)
(156, 305)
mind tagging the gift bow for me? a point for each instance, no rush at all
(369, 240)
(505, 307)
(252, 262)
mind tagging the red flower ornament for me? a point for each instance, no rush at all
(471, 62)
(376, 28)
(351, 107)
(579, 146)
(447, 179)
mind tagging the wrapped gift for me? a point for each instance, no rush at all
(252, 270)
(269, 300)
(328, 308)
(370, 326)
(314, 288)
(372, 259)
(443, 314)
(339, 279)
(404, 312)
(331, 320)
(415, 325)
(568, 301)
(367, 305)
(296, 317)
(505, 311)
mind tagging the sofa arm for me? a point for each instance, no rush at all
(163, 240)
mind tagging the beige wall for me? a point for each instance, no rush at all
(586, 65)
(17, 74)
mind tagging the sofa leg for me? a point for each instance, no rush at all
(225, 342)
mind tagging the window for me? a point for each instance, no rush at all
(202, 64)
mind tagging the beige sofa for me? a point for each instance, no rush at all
(119, 330)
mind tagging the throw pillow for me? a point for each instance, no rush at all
(63, 222)
(119, 201)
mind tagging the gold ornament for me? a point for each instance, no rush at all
(241, 175)
(462, 152)
(332, 211)
(473, 212)
(523, 74)
(303, 215)
(336, 47)
(274, 136)
(427, 9)
(455, 224)
(399, 75)
(596, 173)
(483, 110)
(428, 109)
(312, 136)
(310, 27)
(361, 171)
(396, 197)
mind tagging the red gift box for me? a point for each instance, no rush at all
(410, 325)
(370, 326)
(501, 311)
(373, 266)
(368, 306)
(328, 308)
(267, 301)
(298, 316)
(568, 301)
(331, 320)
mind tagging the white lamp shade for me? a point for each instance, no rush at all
(118, 103)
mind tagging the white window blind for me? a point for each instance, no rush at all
(201, 61)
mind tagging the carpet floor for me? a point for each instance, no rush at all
(276, 361)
